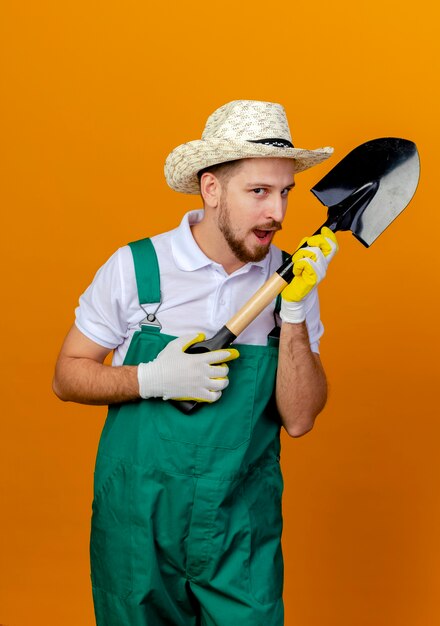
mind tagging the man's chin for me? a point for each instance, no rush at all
(254, 256)
(248, 252)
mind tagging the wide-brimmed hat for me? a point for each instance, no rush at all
(241, 129)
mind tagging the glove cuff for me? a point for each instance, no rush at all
(147, 376)
(292, 312)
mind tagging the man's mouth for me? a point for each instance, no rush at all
(264, 235)
(261, 234)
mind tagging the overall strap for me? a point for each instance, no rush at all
(146, 269)
(278, 300)
(274, 335)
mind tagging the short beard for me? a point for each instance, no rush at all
(236, 245)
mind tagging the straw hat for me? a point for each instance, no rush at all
(241, 129)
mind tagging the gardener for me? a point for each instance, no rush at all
(187, 511)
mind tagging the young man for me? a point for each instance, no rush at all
(186, 521)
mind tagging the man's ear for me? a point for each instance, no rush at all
(210, 190)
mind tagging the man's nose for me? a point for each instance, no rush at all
(276, 208)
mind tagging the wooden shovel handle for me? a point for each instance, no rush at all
(259, 301)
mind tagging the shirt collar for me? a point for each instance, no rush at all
(187, 254)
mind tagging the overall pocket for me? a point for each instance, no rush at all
(111, 542)
(262, 494)
(226, 423)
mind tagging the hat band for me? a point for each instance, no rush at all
(278, 143)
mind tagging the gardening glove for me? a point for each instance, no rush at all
(177, 375)
(310, 267)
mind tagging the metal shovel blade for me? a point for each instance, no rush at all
(370, 187)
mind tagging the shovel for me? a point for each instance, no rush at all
(364, 193)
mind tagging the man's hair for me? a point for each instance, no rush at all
(223, 171)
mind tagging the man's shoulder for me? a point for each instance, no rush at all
(158, 240)
(154, 238)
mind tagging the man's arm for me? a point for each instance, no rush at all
(81, 376)
(301, 386)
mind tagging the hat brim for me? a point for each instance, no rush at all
(183, 163)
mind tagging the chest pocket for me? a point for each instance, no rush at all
(227, 423)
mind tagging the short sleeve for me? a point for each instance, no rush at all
(102, 311)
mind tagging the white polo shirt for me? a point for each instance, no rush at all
(197, 295)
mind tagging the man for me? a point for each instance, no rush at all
(187, 510)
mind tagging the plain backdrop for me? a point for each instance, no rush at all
(94, 95)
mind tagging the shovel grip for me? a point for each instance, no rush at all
(286, 269)
(222, 339)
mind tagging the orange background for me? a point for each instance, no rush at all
(94, 96)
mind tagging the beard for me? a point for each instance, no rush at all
(237, 244)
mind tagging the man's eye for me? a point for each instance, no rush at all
(259, 191)
(286, 192)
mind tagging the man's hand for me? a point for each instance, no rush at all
(310, 267)
(177, 375)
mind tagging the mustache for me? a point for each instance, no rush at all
(272, 225)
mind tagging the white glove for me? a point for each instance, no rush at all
(179, 376)
(309, 268)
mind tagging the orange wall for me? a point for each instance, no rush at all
(94, 96)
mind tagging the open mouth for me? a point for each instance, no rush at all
(263, 236)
